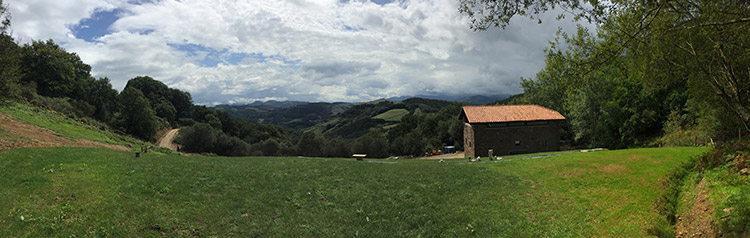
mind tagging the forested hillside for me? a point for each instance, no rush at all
(297, 116)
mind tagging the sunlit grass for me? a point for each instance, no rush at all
(84, 191)
(64, 126)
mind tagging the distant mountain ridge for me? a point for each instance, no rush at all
(471, 99)
(275, 104)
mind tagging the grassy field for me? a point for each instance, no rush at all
(99, 192)
(392, 115)
(64, 126)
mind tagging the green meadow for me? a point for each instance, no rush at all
(66, 192)
(392, 115)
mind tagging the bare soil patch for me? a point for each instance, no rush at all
(457, 155)
(697, 220)
(33, 136)
(166, 140)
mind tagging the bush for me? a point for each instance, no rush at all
(373, 145)
(735, 153)
(737, 224)
(722, 166)
(60, 105)
(203, 138)
(198, 138)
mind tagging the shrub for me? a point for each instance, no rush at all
(198, 138)
(60, 105)
(737, 224)
(735, 153)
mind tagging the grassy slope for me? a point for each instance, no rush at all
(63, 191)
(63, 126)
(392, 115)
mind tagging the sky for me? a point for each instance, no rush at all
(241, 51)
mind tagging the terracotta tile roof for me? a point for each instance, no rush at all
(508, 113)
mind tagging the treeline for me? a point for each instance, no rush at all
(653, 73)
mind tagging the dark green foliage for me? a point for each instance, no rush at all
(198, 138)
(204, 138)
(138, 117)
(338, 148)
(154, 90)
(10, 73)
(269, 147)
(737, 224)
(311, 144)
(60, 105)
(160, 97)
(56, 72)
(182, 103)
(646, 62)
(374, 144)
(104, 98)
(230, 146)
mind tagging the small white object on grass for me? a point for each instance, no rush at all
(499, 158)
(442, 161)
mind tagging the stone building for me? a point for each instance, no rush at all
(510, 129)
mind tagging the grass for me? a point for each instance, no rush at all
(392, 115)
(99, 192)
(64, 126)
(727, 187)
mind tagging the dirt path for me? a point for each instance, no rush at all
(697, 220)
(456, 155)
(166, 140)
(15, 134)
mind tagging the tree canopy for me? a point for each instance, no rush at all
(650, 64)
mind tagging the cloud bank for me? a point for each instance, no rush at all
(243, 51)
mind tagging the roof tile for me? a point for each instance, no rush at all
(509, 113)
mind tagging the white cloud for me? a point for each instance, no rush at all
(300, 50)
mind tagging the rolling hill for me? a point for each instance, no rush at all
(348, 120)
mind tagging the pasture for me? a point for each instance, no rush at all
(68, 191)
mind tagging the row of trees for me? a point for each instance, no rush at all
(654, 72)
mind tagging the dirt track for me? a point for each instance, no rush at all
(456, 155)
(166, 140)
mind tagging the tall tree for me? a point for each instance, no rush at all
(702, 43)
(56, 72)
(158, 95)
(9, 57)
(139, 118)
(102, 96)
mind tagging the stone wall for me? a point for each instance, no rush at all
(468, 140)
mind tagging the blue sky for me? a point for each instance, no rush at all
(310, 50)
